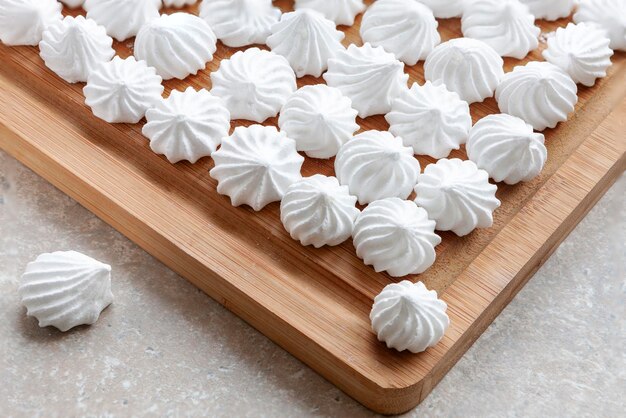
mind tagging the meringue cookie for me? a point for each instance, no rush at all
(177, 45)
(376, 165)
(466, 66)
(254, 84)
(395, 236)
(122, 18)
(457, 195)
(178, 3)
(318, 211)
(549, 10)
(122, 90)
(582, 51)
(73, 4)
(539, 92)
(342, 12)
(187, 126)
(370, 77)
(431, 119)
(320, 119)
(405, 28)
(23, 21)
(240, 22)
(507, 148)
(65, 289)
(74, 47)
(505, 25)
(256, 165)
(609, 15)
(445, 9)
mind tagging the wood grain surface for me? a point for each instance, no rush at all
(313, 302)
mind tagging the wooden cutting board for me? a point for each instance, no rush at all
(313, 302)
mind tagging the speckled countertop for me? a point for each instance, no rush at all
(166, 349)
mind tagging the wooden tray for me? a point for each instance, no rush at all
(314, 303)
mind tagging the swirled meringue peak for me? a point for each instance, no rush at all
(549, 10)
(254, 84)
(342, 12)
(239, 23)
(370, 77)
(307, 39)
(505, 25)
(457, 195)
(256, 165)
(187, 125)
(318, 211)
(466, 66)
(395, 236)
(177, 45)
(320, 119)
(445, 9)
(405, 28)
(582, 51)
(122, 90)
(74, 47)
(507, 148)
(431, 119)
(539, 92)
(178, 3)
(609, 15)
(73, 4)
(376, 165)
(22, 22)
(122, 18)
(65, 289)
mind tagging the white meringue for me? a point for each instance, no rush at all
(122, 90)
(187, 126)
(307, 39)
(445, 9)
(406, 28)
(505, 25)
(122, 18)
(178, 3)
(370, 77)
(376, 165)
(539, 92)
(318, 211)
(73, 4)
(507, 148)
(457, 195)
(320, 119)
(177, 45)
(256, 165)
(65, 289)
(342, 12)
(74, 47)
(240, 22)
(395, 236)
(582, 51)
(431, 119)
(408, 316)
(466, 66)
(254, 84)
(549, 10)
(609, 15)
(23, 21)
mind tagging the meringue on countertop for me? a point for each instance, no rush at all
(507, 148)
(408, 316)
(431, 119)
(240, 22)
(256, 165)
(122, 90)
(73, 4)
(466, 66)
(254, 84)
(457, 195)
(177, 45)
(318, 211)
(549, 10)
(65, 289)
(187, 125)
(23, 21)
(395, 236)
(370, 77)
(376, 165)
(609, 15)
(122, 18)
(342, 12)
(307, 39)
(445, 9)
(540, 93)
